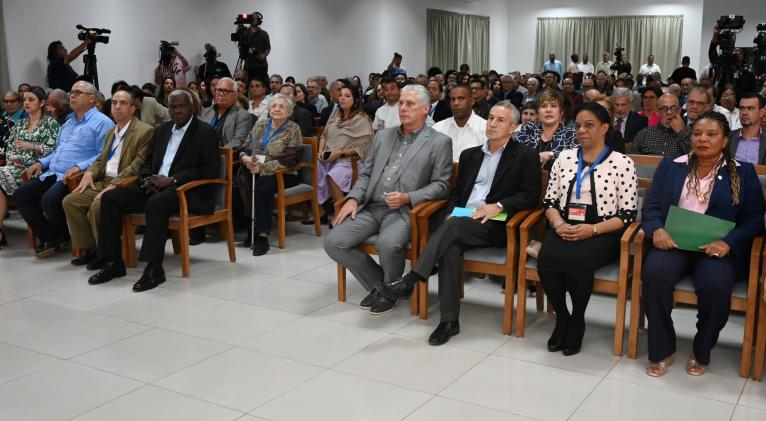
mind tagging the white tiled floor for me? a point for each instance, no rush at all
(266, 339)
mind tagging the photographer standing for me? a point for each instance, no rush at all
(172, 65)
(259, 47)
(729, 66)
(60, 74)
(211, 67)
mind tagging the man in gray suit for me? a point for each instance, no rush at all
(232, 123)
(748, 144)
(148, 109)
(406, 166)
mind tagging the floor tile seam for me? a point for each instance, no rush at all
(34, 370)
(108, 402)
(668, 389)
(546, 366)
(319, 373)
(490, 407)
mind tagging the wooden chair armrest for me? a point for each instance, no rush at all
(196, 183)
(638, 243)
(627, 237)
(423, 218)
(531, 220)
(515, 221)
(74, 181)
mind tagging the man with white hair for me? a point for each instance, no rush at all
(406, 166)
(497, 178)
(79, 143)
(230, 121)
(626, 121)
(58, 105)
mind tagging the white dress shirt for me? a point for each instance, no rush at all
(586, 68)
(468, 136)
(112, 166)
(170, 153)
(387, 116)
(648, 70)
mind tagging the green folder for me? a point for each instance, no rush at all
(690, 230)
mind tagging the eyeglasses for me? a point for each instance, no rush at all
(223, 92)
(672, 108)
(79, 93)
(728, 97)
(10, 101)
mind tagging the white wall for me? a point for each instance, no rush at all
(523, 23)
(332, 37)
(754, 12)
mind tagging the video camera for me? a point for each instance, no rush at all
(96, 34)
(760, 39)
(728, 26)
(166, 51)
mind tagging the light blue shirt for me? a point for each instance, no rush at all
(78, 143)
(484, 179)
(556, 66)
(176, 136)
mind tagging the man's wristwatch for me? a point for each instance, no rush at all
(500, 205)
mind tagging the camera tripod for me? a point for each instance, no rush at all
(90, 69)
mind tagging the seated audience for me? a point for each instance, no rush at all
(568, 88)
(649, 105)
(440, 109)
(669, 138)
(387, 115)
(125, 148)
(500, 176)
(301, 93)
(388, 187)
(533, 91)
(728, 101)
(315, 96)
(480, 104)
(334, 94)
(241, 86)
(347, 136)
(168, 86)
(549, 136)
(5, 129)
(275, 143)
(613, 139)
(79, 142)
(748, 143)
(301, 115)
(528, 113)
(13, 107)
(30, 140)
(697, 102)
(183, 150)
(465, 127)
(148, 109)
(259, 103)
(586, 225)
(709, 181)
(231, 122)
(57, 106)
(626, 121)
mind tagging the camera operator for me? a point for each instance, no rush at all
(621, 64)
(759, 51)
(259, 47)
(211, 67)
(60, 73)
(729, 66)
(172, 65)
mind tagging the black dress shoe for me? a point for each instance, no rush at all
(248, 240)
(87, 256)
(556, 341)
(96, 264)
(443, 332)
(573, 337)
(568, 352)
(196, 236)
(369, 299)
(48, 249)
(110, 271)
(151, 279)
(402, 287)
(260, 245)
(382, 305)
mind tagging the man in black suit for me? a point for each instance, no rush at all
(748, 144)
(500, 176)
(626, 121)
(440, 110)
(334, 95)
(182, 150)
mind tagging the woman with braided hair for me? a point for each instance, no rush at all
(708, 181)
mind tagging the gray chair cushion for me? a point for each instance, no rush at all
(219, 190)
(307, 158)
(646, 171)
(740, 288)
(298, 189)
(494, 255)
(610, 272)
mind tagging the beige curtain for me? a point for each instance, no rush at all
(454, 39)
(639, 35)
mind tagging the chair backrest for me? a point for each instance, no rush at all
(222, 192)
(646, 165)
(307, 168)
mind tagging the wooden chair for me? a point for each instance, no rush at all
(611, 279)
(181, 224)
(500, 261)
(760, 344)
(744, 297)
(301, 193)
(646, 164)
(317, 131)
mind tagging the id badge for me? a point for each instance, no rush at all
(260, 158)
(577, 212)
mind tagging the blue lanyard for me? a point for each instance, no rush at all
(217, 121)
(116, 144)
(581, 175)
(268, 136)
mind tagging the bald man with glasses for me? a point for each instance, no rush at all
(669, 138)
(79, 143)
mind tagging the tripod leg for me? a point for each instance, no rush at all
(252, 212)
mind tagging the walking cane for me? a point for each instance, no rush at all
(252, 212)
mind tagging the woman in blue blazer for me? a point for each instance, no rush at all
(708, 181)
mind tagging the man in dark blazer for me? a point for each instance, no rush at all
(301, 116)
(183, 150)
(748, 144)
(440, 109)
(500, 176)
(626, 121)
